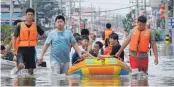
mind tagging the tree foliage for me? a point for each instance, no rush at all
(128, 21)
(45, 10)
(171, 7)
(6, 31)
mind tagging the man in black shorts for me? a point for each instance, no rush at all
(27, 32)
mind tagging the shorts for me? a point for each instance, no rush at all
(59, 68)
(139, 63)
(26, 55)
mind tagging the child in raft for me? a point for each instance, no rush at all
(115, 46)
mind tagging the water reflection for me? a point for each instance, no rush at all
(139, 80)
(108, 81)
(27, 81)
(95, 81)
(167, 50)
(58, 80)
(5, 81)
(160, 75)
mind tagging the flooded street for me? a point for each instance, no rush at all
(158, 75)
(62, 24)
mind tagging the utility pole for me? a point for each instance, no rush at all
(117, 21)
(99, 19)
(74, 5)
(11, 11)
(145, 13)
(31, 1)
(166, 17)
(21, 6)
(35, 11)
(113, 19)
(70, 2)
(79, 16)
(173, 29)
(137, 9)
(61, 7)
(105, 17)
(173, 8)
(109, 16)
(91, 19)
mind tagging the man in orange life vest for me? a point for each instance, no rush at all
(27, 33)
(107, 32)
(139, 40)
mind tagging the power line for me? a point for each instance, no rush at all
(119, 8)
(114, 9)
(94, 2)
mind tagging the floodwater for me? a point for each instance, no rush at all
(158, 75)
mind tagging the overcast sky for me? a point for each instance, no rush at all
(107, 5)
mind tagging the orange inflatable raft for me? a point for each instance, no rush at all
(95, 66)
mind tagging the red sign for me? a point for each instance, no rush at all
(81, 25)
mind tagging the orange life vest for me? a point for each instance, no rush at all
(28, 36)
(140, 40)
(108, 50)
(107, 33)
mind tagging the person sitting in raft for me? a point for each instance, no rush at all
(113, 39)
(108, 47)
(82, 48)
(6, 56)
(97, 49)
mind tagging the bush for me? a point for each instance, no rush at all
(6, 31)
(157, 35)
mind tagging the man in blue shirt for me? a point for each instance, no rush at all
(61, 41)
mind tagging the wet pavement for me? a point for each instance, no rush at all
(158, 75)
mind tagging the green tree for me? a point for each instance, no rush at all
(171, 8)
(45, 10)
(156, 35)
(6, 31)
(128, 21)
